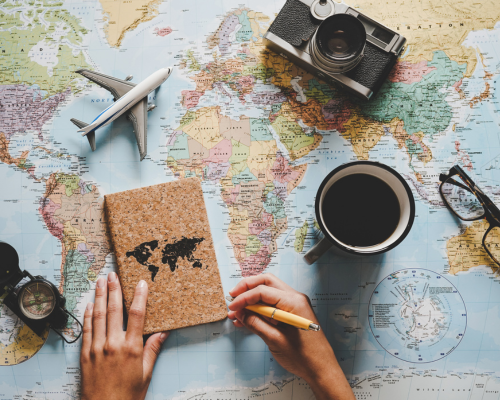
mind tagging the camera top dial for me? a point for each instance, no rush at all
(37, 299)
(322, 9)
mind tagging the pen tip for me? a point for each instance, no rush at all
(229, 298)
(314, 327)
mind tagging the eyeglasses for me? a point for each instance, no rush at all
(462, 196)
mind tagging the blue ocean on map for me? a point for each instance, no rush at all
(217, 357)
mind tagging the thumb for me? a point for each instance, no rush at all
(257, 324)
(151, 352)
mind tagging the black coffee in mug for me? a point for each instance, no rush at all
(361, 210)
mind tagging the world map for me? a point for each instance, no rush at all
(171, 252)
(261, 134)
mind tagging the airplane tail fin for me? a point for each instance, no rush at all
(88, 132)
(78, 123)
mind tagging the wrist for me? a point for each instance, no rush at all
(322, 387)
(320, 368)
(330, 383)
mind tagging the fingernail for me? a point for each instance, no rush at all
(231, 291)
(90, 306)
(142, 284)
(112, 277)
(100, 282)
(163, 336)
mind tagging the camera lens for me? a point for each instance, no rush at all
(339, 43)
(341, 36)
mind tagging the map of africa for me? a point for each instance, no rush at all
(261, 134)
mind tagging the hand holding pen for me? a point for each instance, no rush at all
(275, 314)
(304, 353)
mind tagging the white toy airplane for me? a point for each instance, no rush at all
(129, 97)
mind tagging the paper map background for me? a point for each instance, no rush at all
(262, 134)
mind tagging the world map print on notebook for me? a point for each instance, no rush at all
(183, 248)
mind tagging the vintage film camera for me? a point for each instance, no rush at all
(336, 43)
(36, 301)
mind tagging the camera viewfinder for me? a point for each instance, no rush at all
(382, 35)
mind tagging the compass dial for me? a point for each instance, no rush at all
(37, 300)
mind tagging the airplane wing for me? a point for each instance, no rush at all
(116, 86)
(138, 114)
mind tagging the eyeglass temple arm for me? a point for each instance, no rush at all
(493, 209)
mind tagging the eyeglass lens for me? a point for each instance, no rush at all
(492, 243)
(460, 199)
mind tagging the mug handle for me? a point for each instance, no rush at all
(317, 250)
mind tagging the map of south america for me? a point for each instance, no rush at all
(171, 253)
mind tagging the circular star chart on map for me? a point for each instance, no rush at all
(417, 315)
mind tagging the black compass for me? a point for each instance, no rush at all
(36, 301)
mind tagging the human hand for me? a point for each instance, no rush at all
(304, 353)
(113, 362)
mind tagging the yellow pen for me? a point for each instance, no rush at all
(281, 316)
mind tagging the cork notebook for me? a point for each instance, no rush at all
(161, 234)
